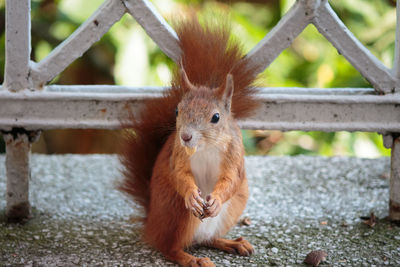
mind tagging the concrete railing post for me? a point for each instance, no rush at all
(18, 150)
(16, 79)
(392, 140)
(394, 200)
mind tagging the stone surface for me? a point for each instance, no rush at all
(297, 205)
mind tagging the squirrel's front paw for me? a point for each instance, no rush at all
(195, 202)
(213, 206)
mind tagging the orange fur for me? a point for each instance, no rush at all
(159, 172)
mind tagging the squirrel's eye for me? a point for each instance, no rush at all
(215, 118)
(176, 112)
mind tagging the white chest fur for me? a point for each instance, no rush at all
(205, 166)
(211, 228)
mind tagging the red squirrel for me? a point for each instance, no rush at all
(184, 156)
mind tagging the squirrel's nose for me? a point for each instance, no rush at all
(186, 137)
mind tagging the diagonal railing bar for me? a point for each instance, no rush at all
(155, 26)
(18, 44)
(77, 43)
(334, 30)
(280, 37)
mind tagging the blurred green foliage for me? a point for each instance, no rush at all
(127, 56)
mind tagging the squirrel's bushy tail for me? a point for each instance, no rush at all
(208, 54)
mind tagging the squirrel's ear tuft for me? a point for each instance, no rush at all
(227, 92)
(185, 83)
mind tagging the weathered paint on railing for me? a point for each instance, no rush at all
(18, 45)
(18, 146)
(283, 108)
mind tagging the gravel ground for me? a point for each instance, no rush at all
(296, 205)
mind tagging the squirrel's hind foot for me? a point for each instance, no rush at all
(203, 262)
(186, 260)
(238, 246)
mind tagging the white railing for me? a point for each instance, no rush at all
(27, 105)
